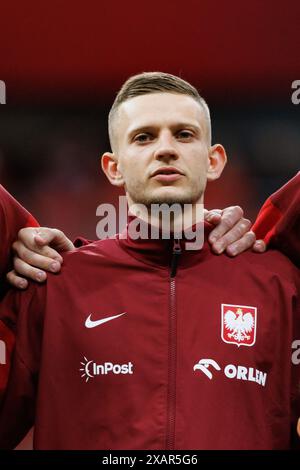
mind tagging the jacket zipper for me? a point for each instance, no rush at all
(172, 359)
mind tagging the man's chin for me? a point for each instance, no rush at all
(168, 198)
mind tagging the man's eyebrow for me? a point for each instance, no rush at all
(152, 127)
(137, 130)
(187, 125)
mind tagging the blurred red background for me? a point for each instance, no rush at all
(63, 63)
(73, 50)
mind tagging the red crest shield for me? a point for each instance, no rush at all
(239, 324)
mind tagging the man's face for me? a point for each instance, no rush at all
(162, 149)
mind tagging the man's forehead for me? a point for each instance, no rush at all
(157, 108)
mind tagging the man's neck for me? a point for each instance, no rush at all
(174, 217)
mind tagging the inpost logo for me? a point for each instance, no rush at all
(90, 369)
(2, 92)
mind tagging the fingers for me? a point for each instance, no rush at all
(24, 269)
(247, 241)
(34, 256)
(239, 237)
(38, 240)
(55, 237)
(44, 251)
(298, 427)
(230, 216)
(16, 280)
(213, 216)
(41, 238)
(30, 264)
(47, 258)
(259, 246)
(232, 232)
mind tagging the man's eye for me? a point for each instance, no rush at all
(184, 134)
(142, 138)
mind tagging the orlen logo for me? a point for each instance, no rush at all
(232, 371)
(90, 369)
(204, 364)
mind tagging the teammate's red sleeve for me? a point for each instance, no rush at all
(278, 221)
(21, 321)
(80, 241)
(7, 342)
(13, 217)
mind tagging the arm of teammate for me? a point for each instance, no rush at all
(37, 250)
(278, 221)
(232, 233)
(21, 323)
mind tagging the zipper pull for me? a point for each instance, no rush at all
(175, 257)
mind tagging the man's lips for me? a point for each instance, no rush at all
(167, 174)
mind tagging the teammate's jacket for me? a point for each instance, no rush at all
(140, 344)
(13, 217)
(278, 221)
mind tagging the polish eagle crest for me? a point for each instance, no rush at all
(239, 324)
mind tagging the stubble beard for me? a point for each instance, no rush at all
(186, 206)
(138, 194)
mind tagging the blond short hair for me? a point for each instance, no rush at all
(154, 82)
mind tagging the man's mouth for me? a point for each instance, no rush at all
(167, 174)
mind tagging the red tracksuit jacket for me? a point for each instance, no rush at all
(13, 217)
(278, 221)
(120, 352)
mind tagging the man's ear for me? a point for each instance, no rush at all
(109, 164)
(217, 160)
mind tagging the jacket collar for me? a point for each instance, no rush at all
(159, 252)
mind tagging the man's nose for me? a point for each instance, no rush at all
(166, 148)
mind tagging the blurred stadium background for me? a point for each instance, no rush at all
(63, 63)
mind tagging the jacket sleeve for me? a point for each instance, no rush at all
(80, 241)
(21, 322)
(295, 372)
(13, 217)
(278, 221)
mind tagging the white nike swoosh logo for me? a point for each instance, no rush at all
(91, 324)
